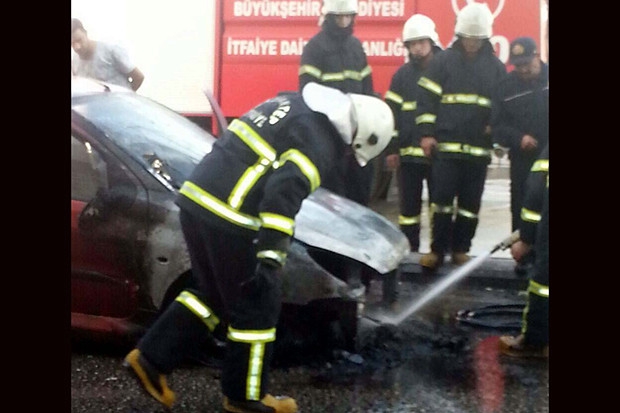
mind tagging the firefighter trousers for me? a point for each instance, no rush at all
(411, 177)
(230, 299)
(535, 326)
(455, 202)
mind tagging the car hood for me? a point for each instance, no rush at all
(168, 146)
(334, 223)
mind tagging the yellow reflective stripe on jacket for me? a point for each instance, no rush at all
(442, 209)
(455, 147)
(467, 214)
(411, 151)
(266, 157)
(530, 216)
(252, 139)
(540, 165)
(409, 106)
(197, 307)
(332, 77)
(425, 118)
(247, 181)
(277, 222)
(394, 97)
(219, 208)
(311, 70)
(277, 256)
(305, 165)
(403, 220)
(257, 340)
(428, 84)
(467, 99)
(339, 76)
(538, 289)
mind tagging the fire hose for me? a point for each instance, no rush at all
(451, 278)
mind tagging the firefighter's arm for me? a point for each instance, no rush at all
(503, 132)
(310, 67)
(430, 91)
(534, 196)
(296, 177)
(283, 196)
(395, 101)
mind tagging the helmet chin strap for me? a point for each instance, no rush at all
(334, 104)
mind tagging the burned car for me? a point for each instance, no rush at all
(129, 157)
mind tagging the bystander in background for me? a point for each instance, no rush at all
(520, 122)
(102, 60)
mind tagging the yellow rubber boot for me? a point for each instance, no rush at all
(431, 261)
(149, 378)
(460, 258)
(269, 404)
(516, 347)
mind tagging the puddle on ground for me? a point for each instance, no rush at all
(432, 359)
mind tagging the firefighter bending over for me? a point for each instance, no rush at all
(237, 213)
(534, 232)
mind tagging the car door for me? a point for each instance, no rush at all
(108, 222)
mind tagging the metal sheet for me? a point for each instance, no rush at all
(331, 222)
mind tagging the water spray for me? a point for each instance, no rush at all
(451, 278)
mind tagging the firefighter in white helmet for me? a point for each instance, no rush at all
(340, 6)
(237, 212)
(334, 57)
(404, 152)
(453, 116)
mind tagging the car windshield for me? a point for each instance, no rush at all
(163, 141)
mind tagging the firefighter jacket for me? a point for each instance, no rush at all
(536, 185)
(522, 107)
(454, 102)
(257, 174)
(335, 60)
(402, 99)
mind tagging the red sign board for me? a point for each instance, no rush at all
(513, 18)
(261, 41)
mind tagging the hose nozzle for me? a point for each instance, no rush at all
(506, 243)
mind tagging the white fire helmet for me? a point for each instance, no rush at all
(419, 27)
(475, 20)
(375, 125)
(370, 116)
(340, 6)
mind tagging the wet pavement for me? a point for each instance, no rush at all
(432, 361)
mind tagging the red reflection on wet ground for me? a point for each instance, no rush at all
(489, 375)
